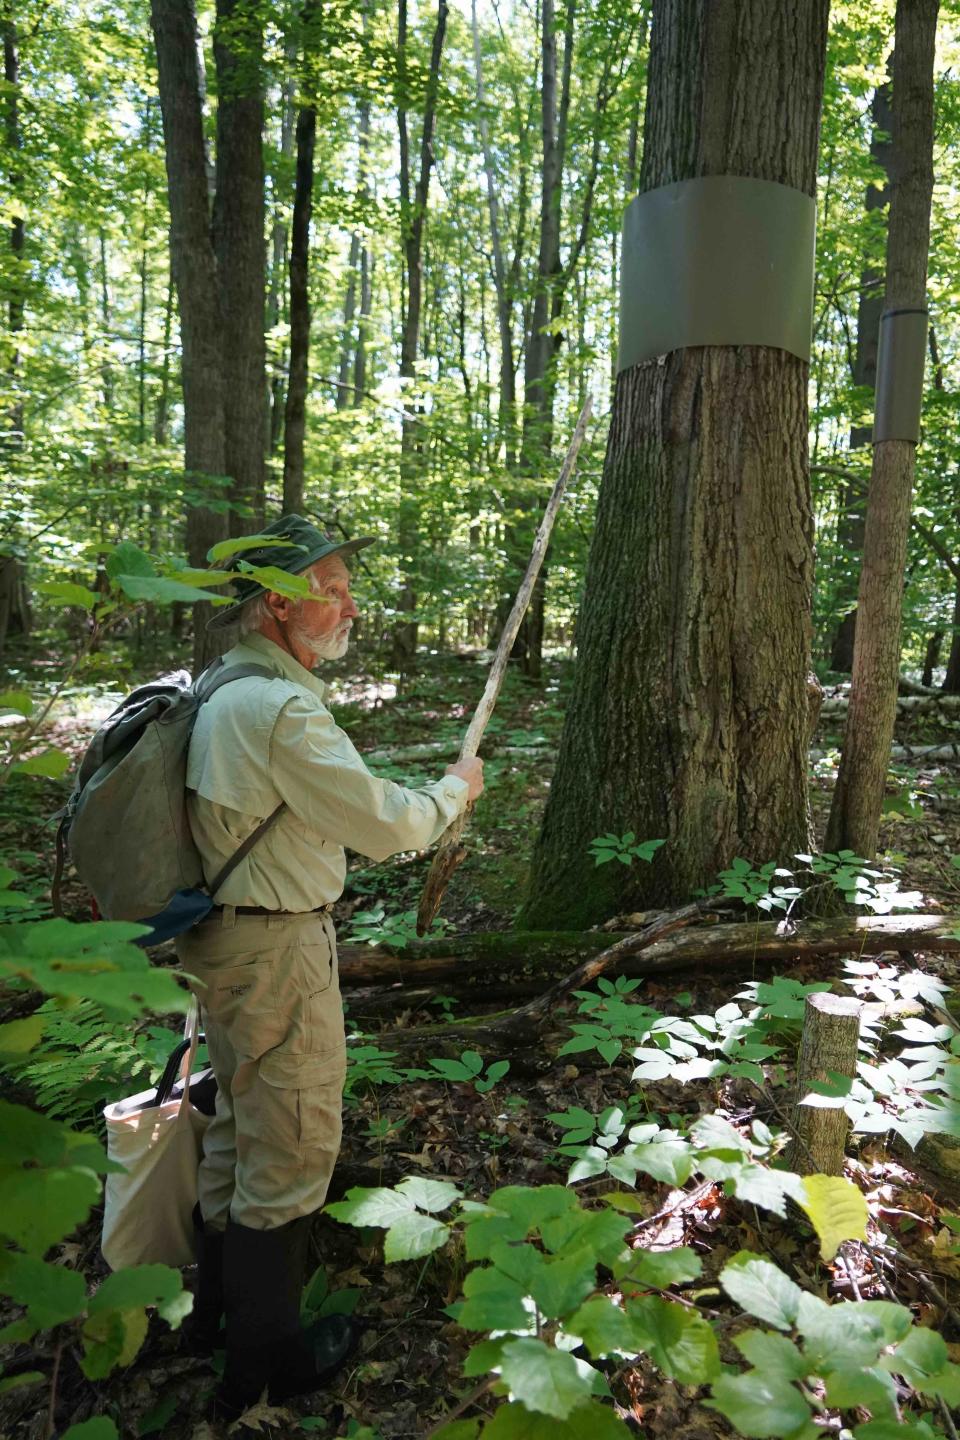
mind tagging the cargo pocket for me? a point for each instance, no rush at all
(241, 999)
(317, 1080)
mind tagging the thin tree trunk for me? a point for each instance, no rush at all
(278, 261)
(195, 275)
(13, 592)
(858, 795)
(295, 413)
(413, 212)
(363, 325)
(238, 232)
(870, 308)
(347, 349)
(507, 384)
(688, 721)
(161, 414)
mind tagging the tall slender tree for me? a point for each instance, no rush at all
(858, 794)
(688, 720)
(413, 214)
(863, 373)
(194, 269)
(295, 410)
(240, 244)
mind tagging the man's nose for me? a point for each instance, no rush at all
(350, 608)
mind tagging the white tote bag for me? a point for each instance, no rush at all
(147, 1214)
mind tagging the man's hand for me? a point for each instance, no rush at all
(472, 772)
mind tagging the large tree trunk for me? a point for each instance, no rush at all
(295, 412)
(14, 604)
(688, 720)
(869, 309)
(238, 230)
(858, 795)
(413, 211)
(195, 276)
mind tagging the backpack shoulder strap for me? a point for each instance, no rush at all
(208, 684)
(245, 848)
(219, 674)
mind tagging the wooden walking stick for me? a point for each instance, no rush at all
(451, 852)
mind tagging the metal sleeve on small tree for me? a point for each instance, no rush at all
(900, 365)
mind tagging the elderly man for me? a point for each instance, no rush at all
(266, 958)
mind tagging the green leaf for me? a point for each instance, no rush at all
(50, 763)
(430, 1195)
(225, 548)
(483, 1356)
(663, 1268)
(761, 1289)
(849, 1335)
(543, 1378)
(19, 701)
(371, 1207)
(586, 1422)
(161, 591)
(142, 1285)
(494, 1302)
(19, 1037)
(561, 1284)
(677, 1339)
(759, 1405)
(669, 1161)
(870, 1388)
(774, 1354)
(412, 1236)
(51, 1293)
(759, 1185)
(15, 1382)
(110, 1339)
(100, 1428)
(69, 593)
(894, 1430)
(128, 559)
(602, 1326)
(40, 1207)
(459, 1430)
(836, 1209)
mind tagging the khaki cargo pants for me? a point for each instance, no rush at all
(270, 1000)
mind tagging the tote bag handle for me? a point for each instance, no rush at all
(180, 1064)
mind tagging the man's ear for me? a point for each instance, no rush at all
(279, 605)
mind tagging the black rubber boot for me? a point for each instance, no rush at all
(263, 1280)
(202, 1328)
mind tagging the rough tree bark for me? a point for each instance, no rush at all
(195, 275)
(240, 244)
(688, 720)
(858, 795)
(864, 368)
(295, 408)
(831, 1030)
(413, 212)
(14, 602)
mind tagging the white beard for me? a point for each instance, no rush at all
(330, 647)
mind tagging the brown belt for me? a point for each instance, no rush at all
(262, 910)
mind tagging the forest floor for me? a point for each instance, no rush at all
(407, 1376)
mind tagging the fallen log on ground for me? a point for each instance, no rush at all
(528, 1035)
(927, 704)
(925, 753)
(497, 960)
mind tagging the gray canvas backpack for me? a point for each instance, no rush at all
(125, 825)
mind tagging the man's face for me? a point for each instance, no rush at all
(322, 626)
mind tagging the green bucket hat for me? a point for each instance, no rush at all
(304, 546)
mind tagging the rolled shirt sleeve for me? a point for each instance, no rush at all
(324, 782)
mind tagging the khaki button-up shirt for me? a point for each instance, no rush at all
(257, 742)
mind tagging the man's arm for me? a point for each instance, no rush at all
(324, 782)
